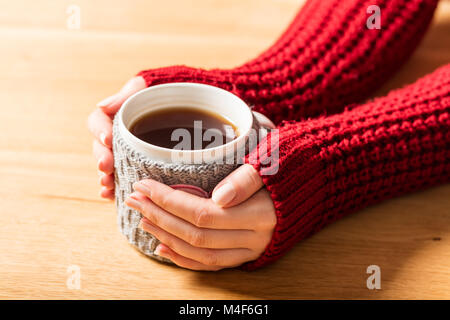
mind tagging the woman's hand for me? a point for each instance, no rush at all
(231, 228)
(100, 124)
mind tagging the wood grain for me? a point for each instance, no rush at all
(51, 214)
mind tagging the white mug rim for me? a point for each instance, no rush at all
(145, 146)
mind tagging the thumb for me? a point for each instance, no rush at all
(113, 103)
(237, 187)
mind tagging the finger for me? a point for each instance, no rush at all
(196, 210)
(210, 257)
(104, 156)
(112, 104)
(237, 187)
(107, 180)
(107, 101)
(107, 194)
(100, 125)
(197, 237)
(164, 251)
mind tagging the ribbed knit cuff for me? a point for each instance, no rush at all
(183, 73)
(326, 59)
(331, 166)
(297, 188)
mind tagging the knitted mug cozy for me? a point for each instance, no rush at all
(132, 166)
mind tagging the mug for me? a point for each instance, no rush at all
(195, 171)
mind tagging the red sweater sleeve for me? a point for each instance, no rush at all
(326, 59)
(331, 166)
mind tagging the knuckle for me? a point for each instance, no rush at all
(154, 218)
(165, 199)
(203, 216)
(198, 238)
(211, 258)
(150, 215)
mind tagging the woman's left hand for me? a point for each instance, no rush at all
(231, 228)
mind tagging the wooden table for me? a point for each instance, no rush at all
(52, 218)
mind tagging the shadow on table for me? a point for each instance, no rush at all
(433, 52)
(332, 264)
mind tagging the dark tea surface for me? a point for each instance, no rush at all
(197, 129)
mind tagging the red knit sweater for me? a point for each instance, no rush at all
(331, 166)
(326, 59)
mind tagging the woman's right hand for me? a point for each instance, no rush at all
(100, 124)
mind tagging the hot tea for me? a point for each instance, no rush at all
(184, 128)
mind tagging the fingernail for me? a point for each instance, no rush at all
(103, 138)
(224, 194)
(100, 177)
(106, 101)
(158, 250)
(133, 203)
(134, 196)
(99, 163)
